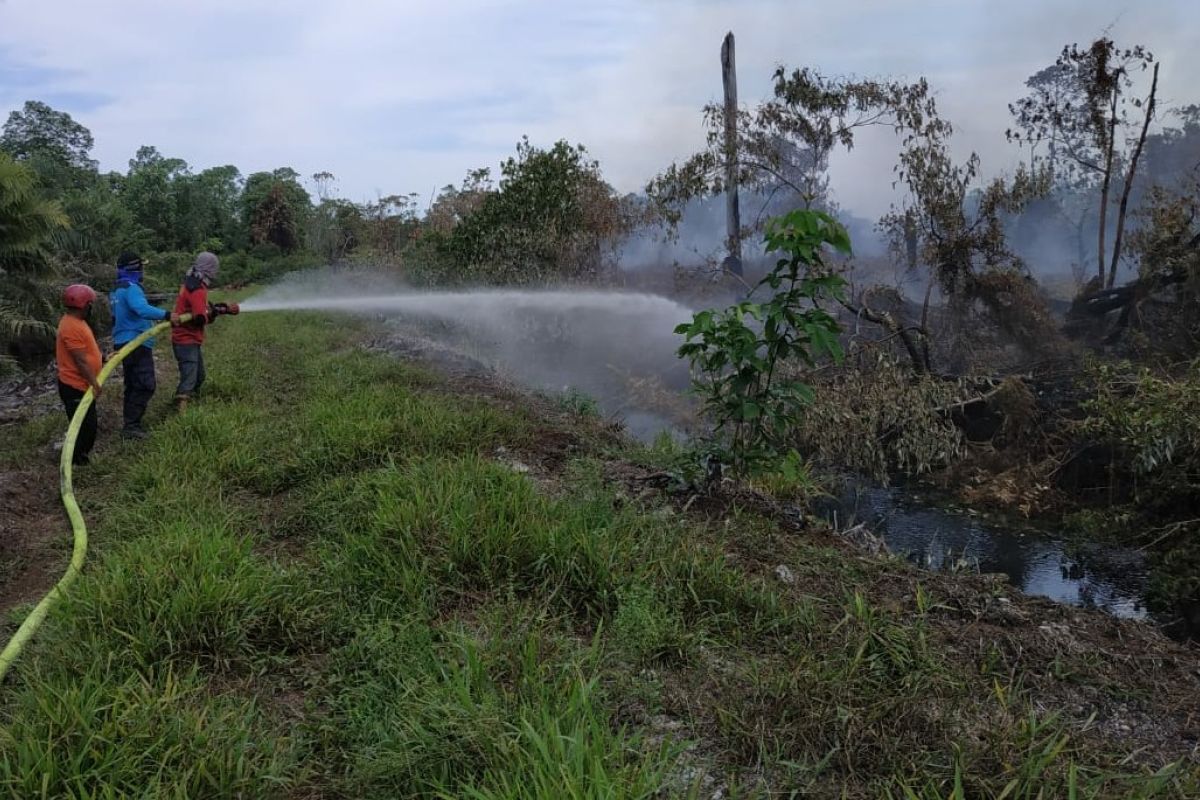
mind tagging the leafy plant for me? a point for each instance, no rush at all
(737, 364)
(27, 223)
(1153, 419)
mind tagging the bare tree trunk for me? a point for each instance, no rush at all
(1053, 160)
(733, 220)
(1108, 162)
(915, 340)
(1137, 153)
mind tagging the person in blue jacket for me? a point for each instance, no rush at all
(132, 316)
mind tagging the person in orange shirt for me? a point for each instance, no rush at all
(78, 357)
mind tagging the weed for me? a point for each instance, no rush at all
(22, 443)
(579, 403)
(648, 628)
(153, 734)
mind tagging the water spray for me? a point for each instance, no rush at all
(617, 347)
(468, 304)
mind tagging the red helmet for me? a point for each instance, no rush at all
(77, 295)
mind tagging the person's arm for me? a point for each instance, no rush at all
(138, 303)
(80, 357)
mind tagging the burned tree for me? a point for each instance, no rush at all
(783, 146)
(733, 216)
(1080, 106)
(1163, 302)
(959, 227)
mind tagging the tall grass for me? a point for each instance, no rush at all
(318, 583)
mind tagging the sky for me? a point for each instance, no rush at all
(408, 95)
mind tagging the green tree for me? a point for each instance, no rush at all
(151, 193)
(222, 189)
(957, 222)
(101, 224)
(455, 204)
(27, 223)
(57, 149)
(335, 226)
(273, 221)
(553, 216)
(260, 184)
(207, 206)
(39, 132)
(174, 209)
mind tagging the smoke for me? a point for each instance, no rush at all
(700, 237)
(617, 347)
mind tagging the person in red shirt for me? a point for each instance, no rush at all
(187, 339)
(78, 357)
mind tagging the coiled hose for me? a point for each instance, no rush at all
(32, 622)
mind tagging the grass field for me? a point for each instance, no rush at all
(322, 582)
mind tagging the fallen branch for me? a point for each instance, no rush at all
(918, 351)
(1168, 532)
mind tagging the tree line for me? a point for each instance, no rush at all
(1097, 192)
(550, 215)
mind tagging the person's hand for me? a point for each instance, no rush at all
(174, 319)
(96, 388)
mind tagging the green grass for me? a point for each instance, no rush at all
(320, 583)
(21, 443)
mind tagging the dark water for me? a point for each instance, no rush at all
(1038, 562)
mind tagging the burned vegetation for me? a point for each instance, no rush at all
(1030, 342)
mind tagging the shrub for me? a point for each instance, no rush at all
(738, 365)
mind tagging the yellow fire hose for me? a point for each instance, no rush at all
(38, 615)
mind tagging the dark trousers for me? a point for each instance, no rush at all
(139, 385)
(191, 369)
(71, 398)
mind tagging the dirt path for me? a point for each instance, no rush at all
(35, 536)
(32, 526)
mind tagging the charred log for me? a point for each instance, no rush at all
(915, 338)
(1090, 309)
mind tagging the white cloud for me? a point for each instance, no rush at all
(407, 96)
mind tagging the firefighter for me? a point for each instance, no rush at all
(132, 316)
(78, 357)
(187, 339)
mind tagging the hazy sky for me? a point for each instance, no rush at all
(407, 96)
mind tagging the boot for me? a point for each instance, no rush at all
(134, 432)
(181, 404)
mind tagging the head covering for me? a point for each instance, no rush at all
(129, 268)
(204, 267)
(78, 295)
